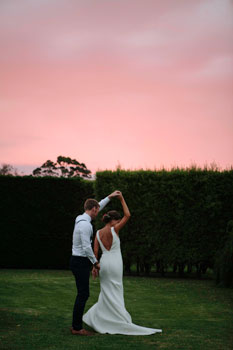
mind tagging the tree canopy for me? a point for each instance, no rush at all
(7, 169)
(64, 167)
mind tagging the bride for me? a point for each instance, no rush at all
(109, 315)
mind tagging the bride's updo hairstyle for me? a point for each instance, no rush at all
(111, 215)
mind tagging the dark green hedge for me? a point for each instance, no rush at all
(224, 260)
(37, 219)
(179, 217)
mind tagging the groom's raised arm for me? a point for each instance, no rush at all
(106, 200)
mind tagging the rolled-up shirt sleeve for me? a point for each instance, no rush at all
(104, 202)
(85, 232)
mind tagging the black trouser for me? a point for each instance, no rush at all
(80, 266)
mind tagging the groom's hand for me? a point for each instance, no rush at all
(97, 266)
(114, 194)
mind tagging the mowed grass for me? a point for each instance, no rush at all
(36, 310)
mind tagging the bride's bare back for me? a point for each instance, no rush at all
(106, 238)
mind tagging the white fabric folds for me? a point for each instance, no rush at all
(109, 314)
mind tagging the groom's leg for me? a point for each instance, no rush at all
(82, 283)
(81, 273)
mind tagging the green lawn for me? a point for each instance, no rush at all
(36, 308)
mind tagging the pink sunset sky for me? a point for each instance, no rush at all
(141, 84)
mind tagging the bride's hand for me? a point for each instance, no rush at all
(95, 273)
(120, 195)
(114, 194)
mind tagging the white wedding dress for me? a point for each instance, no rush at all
(109, 315)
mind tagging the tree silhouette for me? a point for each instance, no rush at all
(47, 169)
(7, 169)
(64, 167)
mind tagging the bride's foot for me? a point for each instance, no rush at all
(81, 332)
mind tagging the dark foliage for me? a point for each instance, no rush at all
(64, 167)
(37, 219)
(178, 217)
(224, 260)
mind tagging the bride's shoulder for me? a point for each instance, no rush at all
(114, 230)
(100, 231)
(97, 232)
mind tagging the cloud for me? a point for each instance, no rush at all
(157, 73)
(165, 31)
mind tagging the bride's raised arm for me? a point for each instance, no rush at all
(126, 216)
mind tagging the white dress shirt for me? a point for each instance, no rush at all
(82, 235)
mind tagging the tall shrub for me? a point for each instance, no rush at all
(178, 217)
(224, 260)
(37, 219)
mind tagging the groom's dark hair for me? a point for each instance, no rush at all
(91, 203)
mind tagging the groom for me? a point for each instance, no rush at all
(83, 257)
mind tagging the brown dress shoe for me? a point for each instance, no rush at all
(81, 332)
